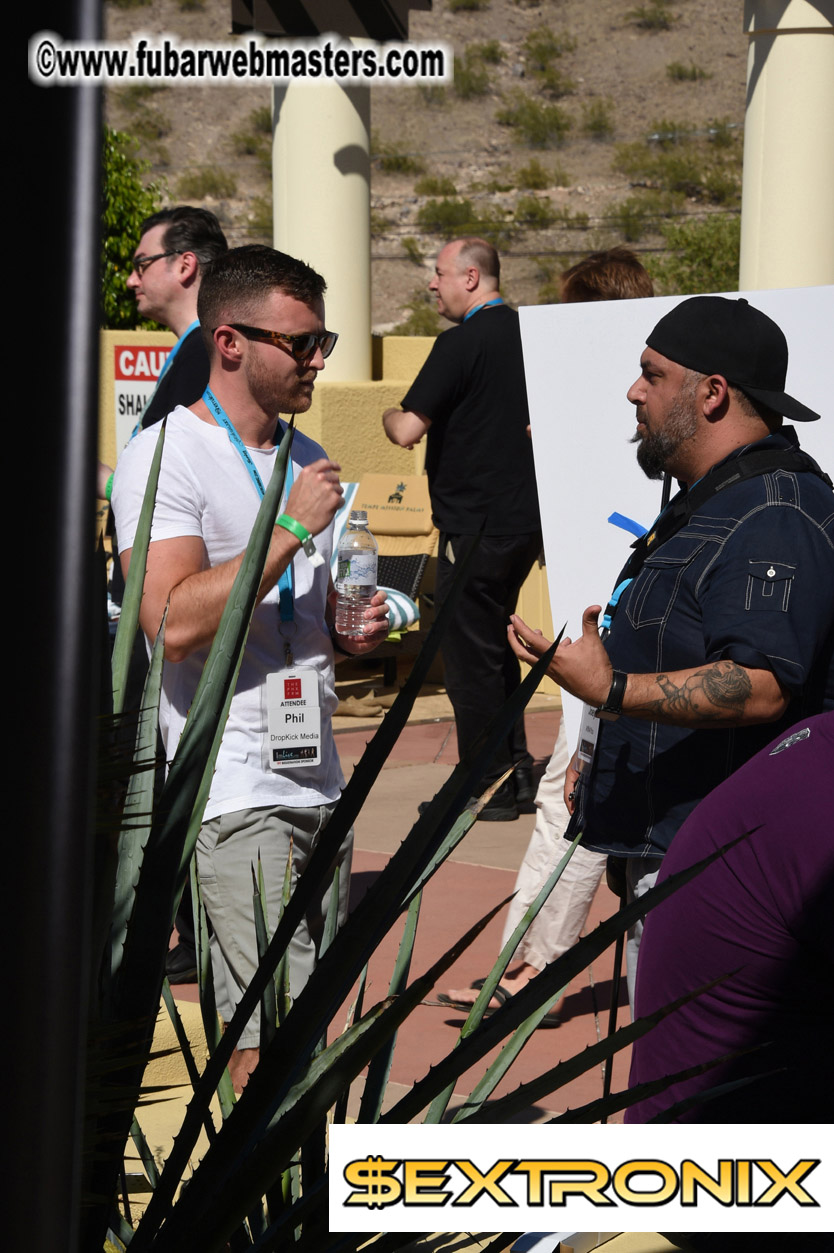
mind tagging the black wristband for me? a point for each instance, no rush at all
(613, 707)
(337, 648)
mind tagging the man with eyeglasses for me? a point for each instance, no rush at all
(175, 246)
(262, 319)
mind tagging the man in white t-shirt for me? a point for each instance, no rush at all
(262, 319)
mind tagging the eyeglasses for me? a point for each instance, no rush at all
(140, 264)
(302, 347)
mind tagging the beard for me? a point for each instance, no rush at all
(656, 449)
(276, 393)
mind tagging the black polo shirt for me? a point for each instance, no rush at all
(184, 382)
(479, 458)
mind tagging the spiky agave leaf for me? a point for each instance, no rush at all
(376, 1082)
(208, 1007)
(352, 799)
(135, 991)
(269, 1005)
(368, 923)
(232, 1182)
(518, 1009)
(134, 584)
(564, 1072)
(499, 1067)
(380, 1068)
(165, 862)
(138, 807)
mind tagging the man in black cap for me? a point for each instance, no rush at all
(722, 621)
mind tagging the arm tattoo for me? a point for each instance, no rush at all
(718, 693)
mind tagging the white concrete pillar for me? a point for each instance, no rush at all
(322, 206)
(787, 206)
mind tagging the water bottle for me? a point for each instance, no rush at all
(356, 577)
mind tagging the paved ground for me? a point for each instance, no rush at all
(480, 873)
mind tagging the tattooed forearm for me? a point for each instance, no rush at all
(716, 693)
(727, 685)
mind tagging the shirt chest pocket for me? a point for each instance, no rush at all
(768, 586)
(657, 586)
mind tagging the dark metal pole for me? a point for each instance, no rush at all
(57, 236)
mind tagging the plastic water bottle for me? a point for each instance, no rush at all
(356, 577)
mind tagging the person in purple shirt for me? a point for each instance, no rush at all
(761, 917)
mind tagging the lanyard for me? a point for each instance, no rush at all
(168, 362)
(285, 597)
(488, 305)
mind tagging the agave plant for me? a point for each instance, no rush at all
(262, 1183)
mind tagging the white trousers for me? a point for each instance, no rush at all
(559, 923)
(641, 875)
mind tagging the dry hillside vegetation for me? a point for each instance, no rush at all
(542, 143)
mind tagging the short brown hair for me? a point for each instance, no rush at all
(612, 275)
(237, 282)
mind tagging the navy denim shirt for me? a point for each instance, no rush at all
(749, 578)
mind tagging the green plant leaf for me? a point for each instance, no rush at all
(543, 988)
(205, 980)
(269, 1006)
(135, 581)
(138, 807)
(289, 1052)
(135, 991)
(513, 1047)
(379, 1069)
(236, 1178)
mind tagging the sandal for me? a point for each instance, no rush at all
(502, 994)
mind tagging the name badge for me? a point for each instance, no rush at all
(293, 718)
(588, 732)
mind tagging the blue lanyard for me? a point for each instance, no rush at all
(612, 605)
(168, 362)
(488, 305)
(285, 596)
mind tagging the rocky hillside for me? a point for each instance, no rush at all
(542, 143)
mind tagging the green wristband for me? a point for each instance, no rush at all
(295, 528)
(108, 487)
(303, 536)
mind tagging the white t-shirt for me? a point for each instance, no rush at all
(205, 490)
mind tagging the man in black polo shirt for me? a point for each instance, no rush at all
(470, 401)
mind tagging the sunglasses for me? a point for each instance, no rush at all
(302, 347)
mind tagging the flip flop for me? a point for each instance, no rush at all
(502, 994)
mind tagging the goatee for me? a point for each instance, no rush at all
(657, 449)
(651, 454)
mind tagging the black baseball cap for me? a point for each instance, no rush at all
(714, 335)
